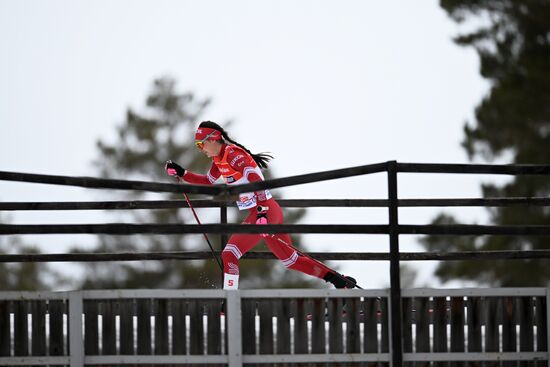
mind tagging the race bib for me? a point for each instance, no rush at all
(246, 201)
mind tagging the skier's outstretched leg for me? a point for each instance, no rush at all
(281, 246)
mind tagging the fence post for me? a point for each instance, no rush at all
(223, 220)
(76, 351)
(548, 325)
(234, 334)
(396, 326)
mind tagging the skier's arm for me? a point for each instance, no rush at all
(260, 194)
(208, 179)
(174, 169)
(244, 164)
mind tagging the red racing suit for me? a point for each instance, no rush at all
(236, 166)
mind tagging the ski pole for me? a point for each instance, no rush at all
(204, 234)
(355, 285)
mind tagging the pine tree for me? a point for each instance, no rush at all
(511, 122)
(27, 276)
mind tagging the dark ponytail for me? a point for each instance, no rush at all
(261, 158)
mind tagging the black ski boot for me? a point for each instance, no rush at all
(340, 281)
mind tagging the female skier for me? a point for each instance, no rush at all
(237, 165)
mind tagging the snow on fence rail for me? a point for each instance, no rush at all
(271, 326)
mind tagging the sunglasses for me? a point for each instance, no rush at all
(200, 143)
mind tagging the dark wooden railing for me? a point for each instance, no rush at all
(393, 229)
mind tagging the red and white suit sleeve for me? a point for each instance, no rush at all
(245, 164)
(208, 179)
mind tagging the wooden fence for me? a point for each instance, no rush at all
(408, 339)
(461, 327)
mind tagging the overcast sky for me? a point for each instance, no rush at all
(321, 84)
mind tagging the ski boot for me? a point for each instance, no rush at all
(340, 281)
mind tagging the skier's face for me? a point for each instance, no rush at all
(211, 148)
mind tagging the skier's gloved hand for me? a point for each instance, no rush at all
(174, 169)
(261, 217)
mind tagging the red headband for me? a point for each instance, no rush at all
(212, 134)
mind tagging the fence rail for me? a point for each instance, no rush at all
(287, 203)
(100, 183)
(397, 350)
(129, 229)
(204, 255)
